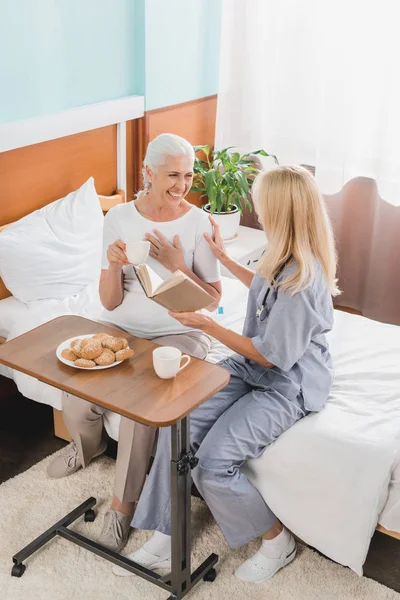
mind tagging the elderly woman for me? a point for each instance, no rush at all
(175, 230)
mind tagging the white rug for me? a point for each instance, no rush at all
(30, 503)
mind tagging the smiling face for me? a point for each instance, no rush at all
(171, 181)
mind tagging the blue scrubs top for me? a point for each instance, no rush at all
(292, 338)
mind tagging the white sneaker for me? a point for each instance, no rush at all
(259, 567)
(146, 559)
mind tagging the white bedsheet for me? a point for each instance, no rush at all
(328, 477)
(331, 476)
(87, 304)
(390, 515)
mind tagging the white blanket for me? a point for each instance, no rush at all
(328, 477)
(87, 304)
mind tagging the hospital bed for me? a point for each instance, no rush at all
(333, 477)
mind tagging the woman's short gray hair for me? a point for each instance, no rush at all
(164, 145)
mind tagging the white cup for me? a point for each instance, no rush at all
(137, 252)
(167, 361)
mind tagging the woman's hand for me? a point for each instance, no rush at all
(244, 274)
(169, 255)
(192, 319)
(116, 254)
(216, 244)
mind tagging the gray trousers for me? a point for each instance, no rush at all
(135, 440)
(233, 426)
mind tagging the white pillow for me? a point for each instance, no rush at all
(11, 310)
(56, 251)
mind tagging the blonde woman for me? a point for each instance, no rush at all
(281, 372)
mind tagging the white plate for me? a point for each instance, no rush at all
(70, 363)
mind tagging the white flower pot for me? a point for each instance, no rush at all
(228, 222)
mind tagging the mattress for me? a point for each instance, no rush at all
(16, 318)
(390, 515)
(332, 476)
(335, 474)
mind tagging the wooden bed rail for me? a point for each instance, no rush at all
(394, 534)
(107, 202)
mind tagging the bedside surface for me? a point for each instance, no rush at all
(247, 248)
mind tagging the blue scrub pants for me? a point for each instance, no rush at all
(233, 426)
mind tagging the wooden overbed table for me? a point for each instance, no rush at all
(133, 390)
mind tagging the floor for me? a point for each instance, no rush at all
(26, 437)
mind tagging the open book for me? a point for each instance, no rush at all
(178, 292)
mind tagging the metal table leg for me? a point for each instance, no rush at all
(182, 461)
(181, 580)
(84, 508)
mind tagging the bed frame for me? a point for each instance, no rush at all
(35, 175)
(45, 158)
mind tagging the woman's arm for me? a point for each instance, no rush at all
(111, 287)
(236, 342)
(242, 273)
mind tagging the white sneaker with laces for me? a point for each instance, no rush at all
(260, 568)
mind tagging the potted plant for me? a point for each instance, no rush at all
(224, 177)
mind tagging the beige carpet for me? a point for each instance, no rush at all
(30, 503)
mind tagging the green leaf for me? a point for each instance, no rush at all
(230, 180)
(200, 163)
(242, 180)
(225, 177)
(263, 153)
(200, 166)
(217, 154)
(209, 182)
(205, 148)
(248, 205)
(236, 200)
(223, 201)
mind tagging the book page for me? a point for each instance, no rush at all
(148, 278)
(171, 281)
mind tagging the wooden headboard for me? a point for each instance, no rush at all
(33, 176)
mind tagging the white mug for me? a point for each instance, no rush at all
(167, 361)
(137, 252)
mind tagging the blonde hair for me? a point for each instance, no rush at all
(292, 212)
(162, 146)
